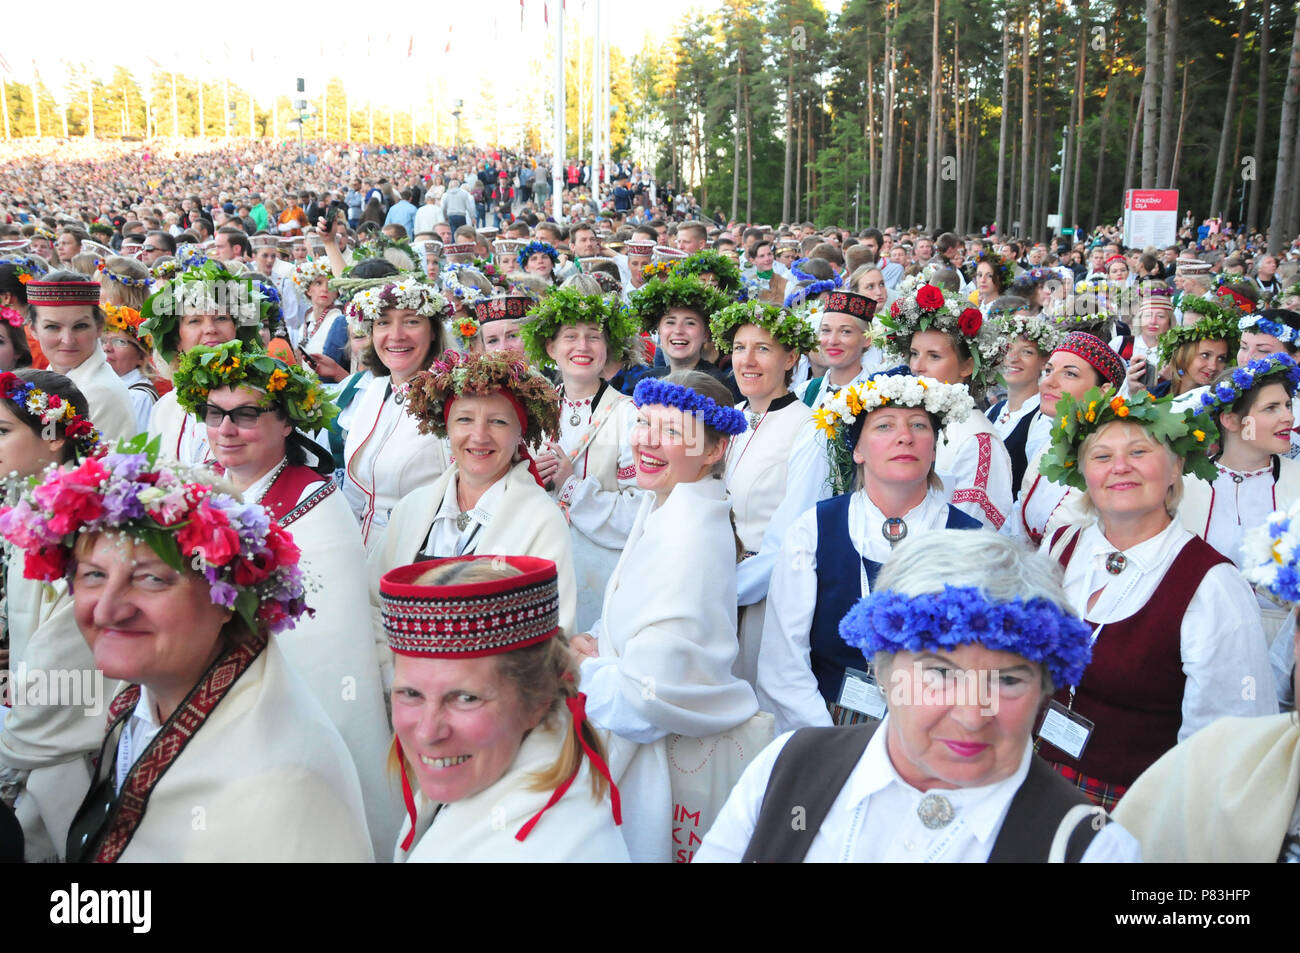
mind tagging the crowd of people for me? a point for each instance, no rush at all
(386, 517)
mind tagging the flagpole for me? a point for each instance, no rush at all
(36, 98)
(176, 122)
(4, 105)
(557, 158)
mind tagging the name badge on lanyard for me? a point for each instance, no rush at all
(1066, 729)
(859, 692)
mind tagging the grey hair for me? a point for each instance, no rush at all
(583, 284)
(1003, 568)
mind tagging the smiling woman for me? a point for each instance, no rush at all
(950, 774)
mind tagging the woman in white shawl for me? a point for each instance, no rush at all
(590, 469)
(215, 750)
(47, 738)
(488, 719)
(938, 337)
(490, 501)
(659, 662)
(257, 411)
(68, 323)
(765, 343)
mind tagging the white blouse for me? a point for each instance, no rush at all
(387, 457)
(786, 684)
(874, 819)
(1224, 652)
(1007, 421)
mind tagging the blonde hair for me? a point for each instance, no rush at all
(544, 674)
(114, 292)
(1175, 494)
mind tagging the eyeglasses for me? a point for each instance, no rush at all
(246, 416)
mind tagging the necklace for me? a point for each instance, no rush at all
(575, 407)
(271, 482)
(935, 811)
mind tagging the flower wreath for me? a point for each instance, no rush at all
(413, 292)
(928, 310)
(1037, 629)
(1224, 289)
(126, 280)
(653, 390)
(790, 330)
(657, 270)
(537, 247)
(1188, 432)
(726, 273)
(452, 375)
(563, 306)
(208, 288)
(798, 295)
(466, 329)
(1216, 327)
(654, 299)
(52, 409)
(796, 269)
(1291, 291)
(908, 284)
(305, 272)
(376, 246)
(1261, 325)
(1044, 335)
(249, 561)
(123, 320)
(25, 268)
(1271, 554)
(950, 403)
(449, 277)
(11, 317)
(205, 369)
(1278, 368)
(1005, 273)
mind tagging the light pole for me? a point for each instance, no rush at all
(456, 114)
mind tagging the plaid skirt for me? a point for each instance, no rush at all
(1099, 792)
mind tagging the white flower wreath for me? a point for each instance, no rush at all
(951, 403)
(305, 272)
(410, 292)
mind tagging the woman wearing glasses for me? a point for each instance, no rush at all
(258, 412)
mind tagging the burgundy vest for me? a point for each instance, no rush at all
(1132, 691)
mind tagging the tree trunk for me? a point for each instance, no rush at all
(1277, 236)
(932, 141)
(1293, 207)
(1024, 126)
(1232, 176)
(1220, 170)
(1151, 111)
(873, 170)
(749, 161)
(1041, 145)
(1078, 126)
(798, 161)
(1178, 141)
(1261, 116)
(1067, 161)
(886, 204)
(789, 136)
(735, 148)
(998, 219)
(1012, 182)
(1165, 161)
(916, 168)
(1101, 156)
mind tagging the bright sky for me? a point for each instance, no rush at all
(268, 44)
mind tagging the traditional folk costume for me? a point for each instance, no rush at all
(386, 455)
(802, 660)
(1043, 506)
(601, 497)
(332, 651)
(759, 459)
(1175, 627)
(1221, 512)
(971, 460)
(109, 400)
(513, 517)
(508, 821)
(1016, 428)
(854, 803)
(247, 767)
(666, 653)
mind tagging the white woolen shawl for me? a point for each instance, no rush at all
(667, 643)
(578, 828)
(111, 409)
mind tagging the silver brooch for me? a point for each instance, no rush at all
(462, 521)
(894, 530)
(1115, 563)
(935, 811)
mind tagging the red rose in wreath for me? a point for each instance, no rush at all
(970, 321)
(929, 297)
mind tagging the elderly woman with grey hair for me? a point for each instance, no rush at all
(968, 633)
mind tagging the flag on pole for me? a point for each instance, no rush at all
(448, 49)
(410, 45)
(546, 13)
(4, 64)
(521, 14)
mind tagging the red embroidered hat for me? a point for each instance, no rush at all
(1097, 353)
(502, 307)
(62, 294)
(472, 619)
(851, 303)
(460, 248)
(643, 249)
